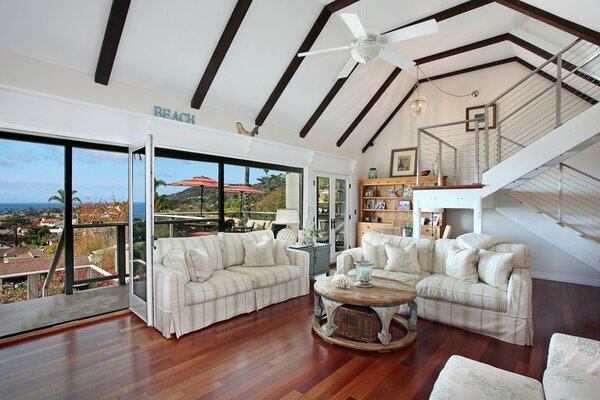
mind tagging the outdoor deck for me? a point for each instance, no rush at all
(33, 314)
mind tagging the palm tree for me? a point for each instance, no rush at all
(61, 197)
(160, 201)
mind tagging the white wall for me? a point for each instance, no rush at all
(401, 132)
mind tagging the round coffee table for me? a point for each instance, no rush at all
(385, 298)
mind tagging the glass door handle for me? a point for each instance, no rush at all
(332, 223)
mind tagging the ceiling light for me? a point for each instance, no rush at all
(366, 50)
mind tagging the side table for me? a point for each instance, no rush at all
(319, 258)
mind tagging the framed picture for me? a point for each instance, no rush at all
(368, 193)
(478, 112)
(404, 205)
(367, 219)
(380, 205)
(435, 219)
(370, 204)
(407, 190)
(404, 162)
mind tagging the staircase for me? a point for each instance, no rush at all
(524, 142)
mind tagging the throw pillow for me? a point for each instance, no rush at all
(280, 255)
(258, 254)
(199, 265)
(175, 259)
(402, 259)
(460, 264)
(495, 268)
(375, 254)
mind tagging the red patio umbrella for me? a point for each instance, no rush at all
(197, 181)
(241, 188)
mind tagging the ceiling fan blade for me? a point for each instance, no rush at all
(324, 51)
(347, 68)
(396, 59)
(424, 28)
(354, 24)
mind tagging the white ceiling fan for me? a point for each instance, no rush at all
(369, 44)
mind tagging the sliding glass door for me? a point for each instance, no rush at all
(141, 236)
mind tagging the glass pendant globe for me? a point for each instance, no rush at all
(418, 106)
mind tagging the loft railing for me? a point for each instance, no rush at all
(556, 91)
(567, 195)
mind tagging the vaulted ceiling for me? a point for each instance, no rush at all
(239, 56)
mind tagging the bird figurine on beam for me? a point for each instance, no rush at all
(244, 132)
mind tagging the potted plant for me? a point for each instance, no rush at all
(312, 232)
(407, 231)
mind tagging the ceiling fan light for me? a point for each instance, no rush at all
(418, 106)
(365, 51)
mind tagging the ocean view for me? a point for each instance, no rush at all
(6, 208)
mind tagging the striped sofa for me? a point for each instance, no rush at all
(182, 306)
(478, 307)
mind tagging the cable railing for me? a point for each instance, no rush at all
(567, 195)
(558, 90)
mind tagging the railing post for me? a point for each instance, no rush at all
(477, 180)
(486, 144)
(440, 173)
(171, 230)
(498, 143)
(121, 254)
(558, 90)
(560, 192)
(455, 166)
(418, 157)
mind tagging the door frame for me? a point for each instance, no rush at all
(143, 309)
(332, 178)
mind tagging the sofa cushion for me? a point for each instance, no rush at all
(269, 276)
(233, 248)
(402, 259)
(258, 254)
(209, 243)
(374, 253)
(222, 283)
(460, 264)
(424, 246)
(495, 268)
(175, 259)
(574, 352)
(477, 241)
(280, 252)
(199, 265)
(570, 383)
(411, 279)
(467, 379)
(452, 290)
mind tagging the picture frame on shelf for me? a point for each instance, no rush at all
(435, 219)
(403, 162)
(478, 112)
(403, 204)
(380, 205)
(368, 193)
(366, 218)
(370, 204)
(407, 190)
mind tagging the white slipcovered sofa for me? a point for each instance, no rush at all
(182, 305)
(572, 372)
(501, 313)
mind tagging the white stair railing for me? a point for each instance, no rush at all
(568, 195)
(558, 90)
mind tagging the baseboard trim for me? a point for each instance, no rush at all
(548, 276)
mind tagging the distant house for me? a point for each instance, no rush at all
(50, 222)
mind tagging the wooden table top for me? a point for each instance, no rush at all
(384, 293)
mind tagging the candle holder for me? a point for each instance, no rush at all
(364, 270)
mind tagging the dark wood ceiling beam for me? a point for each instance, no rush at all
(310, 39)
(440, 16)
(423, 60)
(369, 105)
(544, 16)
(112, 37)
(235, 20)
(565, 86)
(547, 55)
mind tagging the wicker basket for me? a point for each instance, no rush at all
(357, 323)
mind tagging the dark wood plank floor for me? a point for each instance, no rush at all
(271, 355)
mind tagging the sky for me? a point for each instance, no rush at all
(32, 172)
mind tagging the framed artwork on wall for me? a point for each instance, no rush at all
(404, 162)
(478, 112)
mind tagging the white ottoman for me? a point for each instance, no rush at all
(466, 379)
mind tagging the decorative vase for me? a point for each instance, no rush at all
(373, 173)
(407, 232)
(435, 166)
(310, 240)
(364, 270)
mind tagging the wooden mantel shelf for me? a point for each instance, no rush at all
(446, 187)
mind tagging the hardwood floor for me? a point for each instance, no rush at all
(272, 354)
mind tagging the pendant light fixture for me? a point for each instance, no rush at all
(418, 105)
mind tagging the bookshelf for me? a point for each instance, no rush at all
(387, 202)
